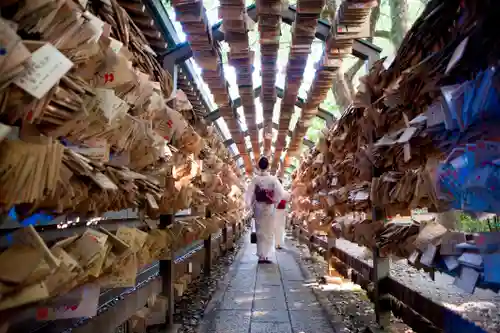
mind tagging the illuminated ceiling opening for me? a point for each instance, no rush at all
(328, 106)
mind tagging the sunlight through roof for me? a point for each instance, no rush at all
(248, 143)
(259, 114)
(234, 149)
(223, 128)
(241, 119)
(329, 104)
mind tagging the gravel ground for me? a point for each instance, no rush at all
(348, 302)
(482, 307)
(189, 310)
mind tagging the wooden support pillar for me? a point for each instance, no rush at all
(167, 275)
(224, 239)
(207, 266)
(372, 58)
(381, 269)
(233, 233)
(310, 242)
(329, 254)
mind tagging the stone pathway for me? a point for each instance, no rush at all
(264, 298)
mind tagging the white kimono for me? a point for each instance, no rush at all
(280, 224)
(264, 212)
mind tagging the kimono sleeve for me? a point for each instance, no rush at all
(250, 194)
(280, 193)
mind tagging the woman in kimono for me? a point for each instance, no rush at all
(262, 194)
(280, 221)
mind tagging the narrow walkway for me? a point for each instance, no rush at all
(264, 298)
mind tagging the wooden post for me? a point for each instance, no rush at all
(381, 269)
(167, 275)
(372, 58)
(329, 254)
(233, 239)
(310, 241)
(207, 266)
(224, 239)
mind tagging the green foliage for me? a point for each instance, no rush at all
(330, 105)
(224, 47)
(468, 224)
(314, 131)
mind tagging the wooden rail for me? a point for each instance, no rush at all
(117, 305)
(420, 313)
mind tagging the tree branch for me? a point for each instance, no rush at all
(382, 34)
(400, 24)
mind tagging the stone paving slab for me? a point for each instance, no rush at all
(271, 316)
(233, 321)
(264, 298)
(270, 328)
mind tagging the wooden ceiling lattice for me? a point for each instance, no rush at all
(191, 14)
(269, 17)
(142, 19)
(233, 13)
(192, 94)
(341, 39)
(350, 20)
(304, 29)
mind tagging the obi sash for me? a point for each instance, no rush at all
(263, 195)
(281, 205)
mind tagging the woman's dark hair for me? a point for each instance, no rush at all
(263, 163)
(281, 182)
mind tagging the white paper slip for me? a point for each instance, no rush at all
(414, 257)
(86, 307)
(467, 279)
(471, 259)
(428, 256)
(110, 104)
(83, 3)
(451, 262)
(115, 45)
(48, 67)
(4, 131)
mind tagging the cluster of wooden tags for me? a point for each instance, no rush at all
(194, 21)
(351, 22)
